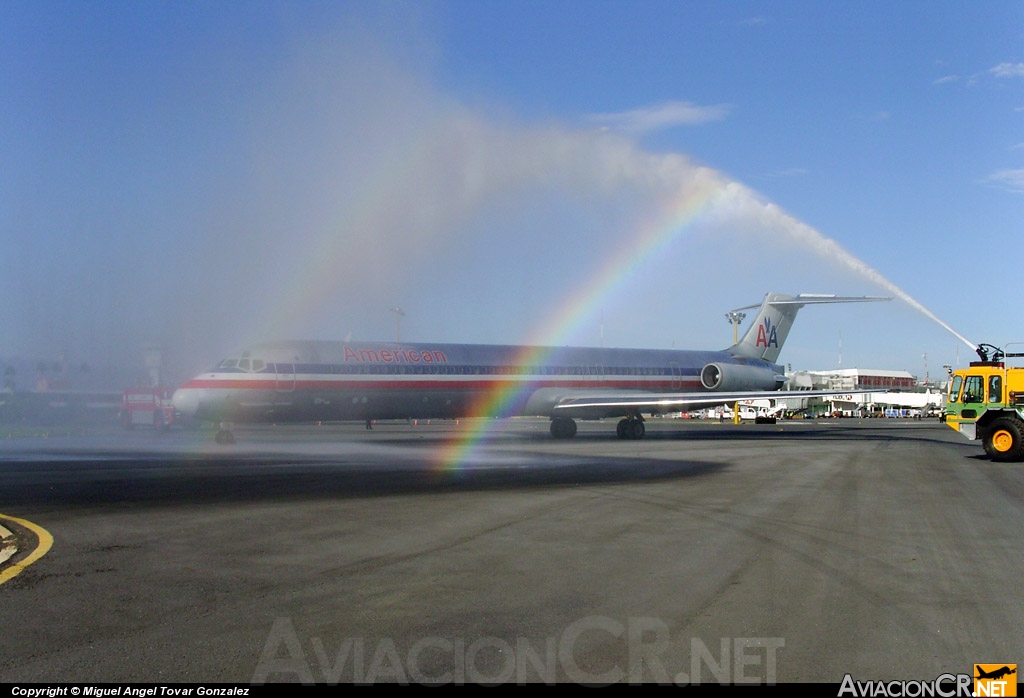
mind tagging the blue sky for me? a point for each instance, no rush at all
(206, 175)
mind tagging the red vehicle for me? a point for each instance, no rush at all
(148, 406)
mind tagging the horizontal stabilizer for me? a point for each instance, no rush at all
(812, 298)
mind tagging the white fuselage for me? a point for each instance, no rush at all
(300, 381)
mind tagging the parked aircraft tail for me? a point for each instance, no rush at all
(765, 336)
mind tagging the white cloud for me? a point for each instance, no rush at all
(946, 78)
(657, 117)
(1011, 180)
(1008, 70)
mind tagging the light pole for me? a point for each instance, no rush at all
(399, 314)
(735, 317)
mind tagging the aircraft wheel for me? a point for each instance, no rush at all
(622, 429)
(631, 429)
(638, 430)
(563, 428)
(1003, 442)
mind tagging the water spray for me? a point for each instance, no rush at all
(771, 214)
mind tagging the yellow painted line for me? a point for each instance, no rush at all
(45, 541)
(8, 548)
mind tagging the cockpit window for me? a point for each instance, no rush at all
(257, 364)
(973, 389)
(244, 364)
(229, 363)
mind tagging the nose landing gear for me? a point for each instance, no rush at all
(224, 434)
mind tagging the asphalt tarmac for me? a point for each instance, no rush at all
(705, 553)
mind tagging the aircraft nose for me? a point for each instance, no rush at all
(186, 401)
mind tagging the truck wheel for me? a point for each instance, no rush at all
(1003, 442)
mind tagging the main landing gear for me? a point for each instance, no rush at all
(563, 427)
(631, 427)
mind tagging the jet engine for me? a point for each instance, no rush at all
(740, 377)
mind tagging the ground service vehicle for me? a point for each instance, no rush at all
(986, 402)
(147, 406)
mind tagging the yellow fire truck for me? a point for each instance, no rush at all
(986, 402)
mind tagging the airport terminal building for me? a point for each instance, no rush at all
(899, 393)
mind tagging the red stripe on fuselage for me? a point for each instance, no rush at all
(436, 383)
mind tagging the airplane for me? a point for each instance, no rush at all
(312, 381)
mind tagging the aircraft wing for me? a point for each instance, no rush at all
(643, 402)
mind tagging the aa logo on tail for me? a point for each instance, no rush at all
(766, 336)
(995, 679)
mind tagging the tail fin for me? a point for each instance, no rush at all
(765, 337)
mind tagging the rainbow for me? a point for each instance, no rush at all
(672, 219)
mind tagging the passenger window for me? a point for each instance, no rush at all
(995, 389)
